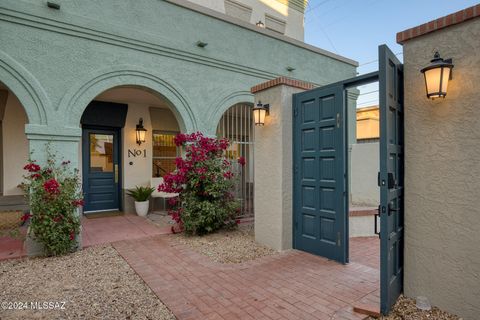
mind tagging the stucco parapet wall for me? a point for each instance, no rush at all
(266, 32)
(282, 81)
(438, 24)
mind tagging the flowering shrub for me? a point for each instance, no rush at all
(53, 193)
(204, 181)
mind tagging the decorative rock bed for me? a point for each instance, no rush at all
(94, 283)
(227, 246)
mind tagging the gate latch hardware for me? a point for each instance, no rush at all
(376, 222)
(380, 182)
(392, 183)
(391, 209)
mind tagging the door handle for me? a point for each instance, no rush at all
(391, 208)
(376, 223)
(116, 173)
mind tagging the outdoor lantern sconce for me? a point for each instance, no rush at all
(260, 24)
(436, 76)
(259, 113)
(140, 131)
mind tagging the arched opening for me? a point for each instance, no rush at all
(112, 158)
(237, 126)
(14, 148)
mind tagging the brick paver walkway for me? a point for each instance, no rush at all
(290, 285)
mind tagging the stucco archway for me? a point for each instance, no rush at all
(225, 103)
(76, 100)
(26, 88)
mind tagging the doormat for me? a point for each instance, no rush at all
(103, 214)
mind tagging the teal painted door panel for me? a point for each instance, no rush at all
(101, 169)
(391, 177)
(319, 167)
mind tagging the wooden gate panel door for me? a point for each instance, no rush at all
(319, 180)
(391, 177)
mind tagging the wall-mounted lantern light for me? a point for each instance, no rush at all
(260, 24)
(437, 74)
(259, 113)
(140, 131)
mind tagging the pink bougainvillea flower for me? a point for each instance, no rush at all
(51, 186)
(241, 161)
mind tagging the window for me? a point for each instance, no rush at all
(164, 153)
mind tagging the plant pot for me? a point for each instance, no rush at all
(141, 207)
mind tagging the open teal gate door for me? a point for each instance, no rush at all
(391, 179)
(320, 225)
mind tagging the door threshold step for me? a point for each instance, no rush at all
(367, 309)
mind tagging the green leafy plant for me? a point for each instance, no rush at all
(204, 181)
(53, 193)
(140, 193)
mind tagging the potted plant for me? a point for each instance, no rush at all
(141, 195)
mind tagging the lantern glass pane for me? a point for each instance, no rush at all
(262, 113)
(446, 77)
(256, 116)
(432, 79)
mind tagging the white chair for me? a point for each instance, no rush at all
(154, 183)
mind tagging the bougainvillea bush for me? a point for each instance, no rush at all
(53, 193)
(204, 181)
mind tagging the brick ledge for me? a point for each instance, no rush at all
(282, 81)
(438, 24)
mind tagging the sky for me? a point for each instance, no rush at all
(355, 29)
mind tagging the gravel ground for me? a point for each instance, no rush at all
(95, 283)
(405, 309)
(227, 246)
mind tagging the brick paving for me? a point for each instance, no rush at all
(290, 285)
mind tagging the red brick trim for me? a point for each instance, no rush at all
(282, 81)
(440, 23)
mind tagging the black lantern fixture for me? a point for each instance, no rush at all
(260, 24)
(140, 131)
(260, 111)
(436, 76)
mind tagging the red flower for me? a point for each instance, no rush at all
(51, 186)
(228, 175)
(36, 176)
(32, 167)
(241, 161)
(25, 217)
(58, 218)
(72, 235)
(78, 203)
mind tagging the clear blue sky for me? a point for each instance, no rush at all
(355, 28)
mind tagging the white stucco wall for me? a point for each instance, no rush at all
(273, 170)
(294, 19)
(15, 145)
(442, 170)
(364, 164)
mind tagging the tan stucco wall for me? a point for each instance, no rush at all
(442, 174)
(273, 170)
(364, 166)
(15, 145)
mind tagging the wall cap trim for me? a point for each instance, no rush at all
(282, 81)
(438, 24)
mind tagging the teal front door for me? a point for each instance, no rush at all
(320, 222)
(101, 172)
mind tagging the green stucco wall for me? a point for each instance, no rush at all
(57, 61)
